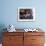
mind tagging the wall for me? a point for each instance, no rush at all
(9, 13)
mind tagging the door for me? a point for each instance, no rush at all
(13, 40)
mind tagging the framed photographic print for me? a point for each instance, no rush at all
(26, 14)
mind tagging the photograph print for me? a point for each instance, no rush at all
(26, 14)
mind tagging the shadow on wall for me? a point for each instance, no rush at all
(2, 29)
